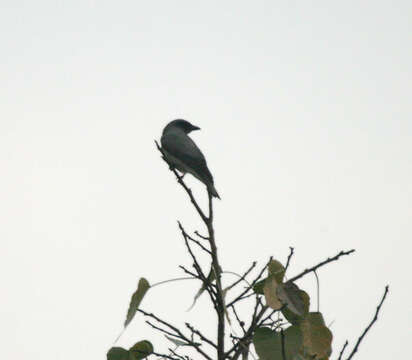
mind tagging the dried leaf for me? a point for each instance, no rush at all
(317, 338)
(289, 294)
(277, 269)
(137, 298)
(269, 291)
(291, 316)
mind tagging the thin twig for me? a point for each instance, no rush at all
(292, 250)
(173, 351)
(241, 323)
(237, 347)
(177, 332)
(268, 317)
(328, 260)
(189, 272)
(170, 326)
(162, 330)
(201, 236)
(355, 349)
(241, 278)
(247, 337)
(198, 243)
(343, 349)
(195, 262)
(201, 336)
(164, 356)
(241, 295)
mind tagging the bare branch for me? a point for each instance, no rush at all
(181, 182)
(218, 294)
(268, 317)
(189, 272)
(343, 349)
(196, 263)
(247, 338)
(355, 349)
(328, 260)
(198, 243)
(201, 236)
(292, 250)
(241, 278)
(177, 332)
(201, 336)
(162, 330)
(220, 308)
(165, 356)
(241, 295)
(241, 323)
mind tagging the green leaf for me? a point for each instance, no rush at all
(291, 316)
(293, 341)
(268, 343)
(140, 350)
(276, 269)
(269, 290)
(317, 338)
(137, 298)
(117, 353)
(258, 287)
(288, 294)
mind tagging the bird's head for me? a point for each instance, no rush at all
(184, 125)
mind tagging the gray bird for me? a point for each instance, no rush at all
(182, 153)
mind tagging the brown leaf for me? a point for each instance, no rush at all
(291, 316)
(277, 269)
(317, 338)
(269, 291)
(289, 294)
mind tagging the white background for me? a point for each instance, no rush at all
(305, 110)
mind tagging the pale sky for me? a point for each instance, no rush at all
(305, 110)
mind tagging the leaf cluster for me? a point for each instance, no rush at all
(307, 337)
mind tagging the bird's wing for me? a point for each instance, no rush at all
(183, 148)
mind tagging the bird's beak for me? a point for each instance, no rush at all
(195, 128)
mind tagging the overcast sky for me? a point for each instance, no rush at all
(305, 110)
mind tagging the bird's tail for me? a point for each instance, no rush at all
(212, 190)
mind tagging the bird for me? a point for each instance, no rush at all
(182, 153)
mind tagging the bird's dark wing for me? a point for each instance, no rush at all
(183, 148)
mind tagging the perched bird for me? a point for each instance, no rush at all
(183, 154)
